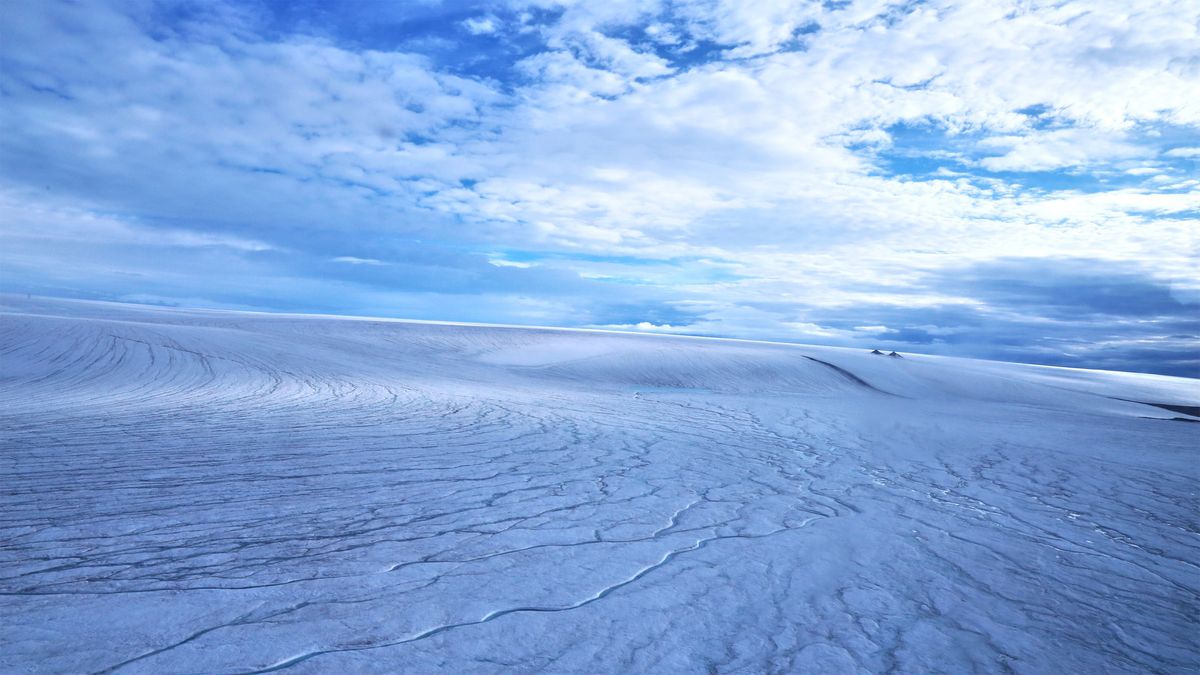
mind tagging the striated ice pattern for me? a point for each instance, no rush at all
(220, 492)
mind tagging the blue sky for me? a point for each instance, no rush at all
(980, 178)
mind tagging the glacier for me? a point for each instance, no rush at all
(202, 491)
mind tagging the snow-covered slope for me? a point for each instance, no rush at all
(218, 492)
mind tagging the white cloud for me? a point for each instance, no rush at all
(500, 261)
(752, 27)
(481, 25)
(351, 260)
(1064, 148)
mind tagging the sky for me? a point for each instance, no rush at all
(1003, 180)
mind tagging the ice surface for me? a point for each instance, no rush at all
(198, 491)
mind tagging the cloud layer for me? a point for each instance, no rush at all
(1009, 180)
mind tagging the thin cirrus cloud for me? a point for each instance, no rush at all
(1007, 180)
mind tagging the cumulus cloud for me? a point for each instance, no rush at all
(754, 169)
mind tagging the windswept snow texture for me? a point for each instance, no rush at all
(198, 491)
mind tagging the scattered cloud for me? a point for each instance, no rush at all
(842, 172)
